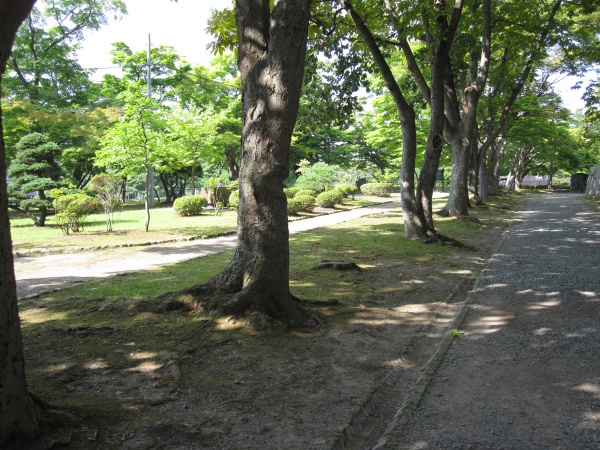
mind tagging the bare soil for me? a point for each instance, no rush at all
(220, 384)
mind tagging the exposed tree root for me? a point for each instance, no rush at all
(261, 311)
(337, 265)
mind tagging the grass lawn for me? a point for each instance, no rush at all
(129, 227)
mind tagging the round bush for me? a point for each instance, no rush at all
(290, 192)
(234, 199)
(307, 202)
(189, 206)
(309, 192)
(294, 206)
(347, 189)
(377, 189)
(329, 199)
(72, 209)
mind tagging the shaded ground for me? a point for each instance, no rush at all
(169, 380)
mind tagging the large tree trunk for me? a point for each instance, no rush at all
(17, 409)
(271, 61)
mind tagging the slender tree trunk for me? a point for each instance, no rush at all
(462, 121)
(271, 60)
(414, 226)
(147, 200)
(17, 409)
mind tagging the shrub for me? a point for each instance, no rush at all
(294, 206)
(234, 199)
(107, 191)
(307, 202)
(318, 177)
(347, 189)
(377, 189)
(308, 192)
(329, 199)
(72, 209)
(189, 206)
(234, 185)
(290, 192)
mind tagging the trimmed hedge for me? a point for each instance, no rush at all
(329, 199)
(294, 206)
(190, 205)
(377, 189)
(307, 202)
(308, 192)
(347, 189)
(234, 199)
(290, 192)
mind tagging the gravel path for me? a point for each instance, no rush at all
(38, 274)
(526, 373)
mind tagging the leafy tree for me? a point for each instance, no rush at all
(18, 411)
(43, 67)
(136, 143)
(107, 188)
(35, 169)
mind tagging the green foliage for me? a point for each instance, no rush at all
(234, 198)
(294, 206)
(308, 192)
(300, 203)
(329, 199)
(290, 192)
(72, 209)
(107, 187)
(377, 189)
(317, 177)
(190, 205)
(307, 202)
(234, 185)
(347, 189)
(34, 169)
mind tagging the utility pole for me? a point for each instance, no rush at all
(149, 82)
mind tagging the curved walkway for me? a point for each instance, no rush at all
(526, 374)
(38, 274)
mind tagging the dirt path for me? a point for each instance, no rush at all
(526, 373)
(39, 274)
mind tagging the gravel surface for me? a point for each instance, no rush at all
(526, 372)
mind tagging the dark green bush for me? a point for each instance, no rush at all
(234, 199)
(290, 192)
(347, 189)
(190, 205)
(377, 189)
(329, 199)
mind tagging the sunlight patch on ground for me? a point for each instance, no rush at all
(95, 364)
(142, 355)
(57, 368)
(589, 294)
(589, 388)
(41, 315)
(146, 366)
(539, 306)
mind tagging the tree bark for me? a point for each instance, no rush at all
(462, 121)
(271, 59)
(17, 409)
(414, 224)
